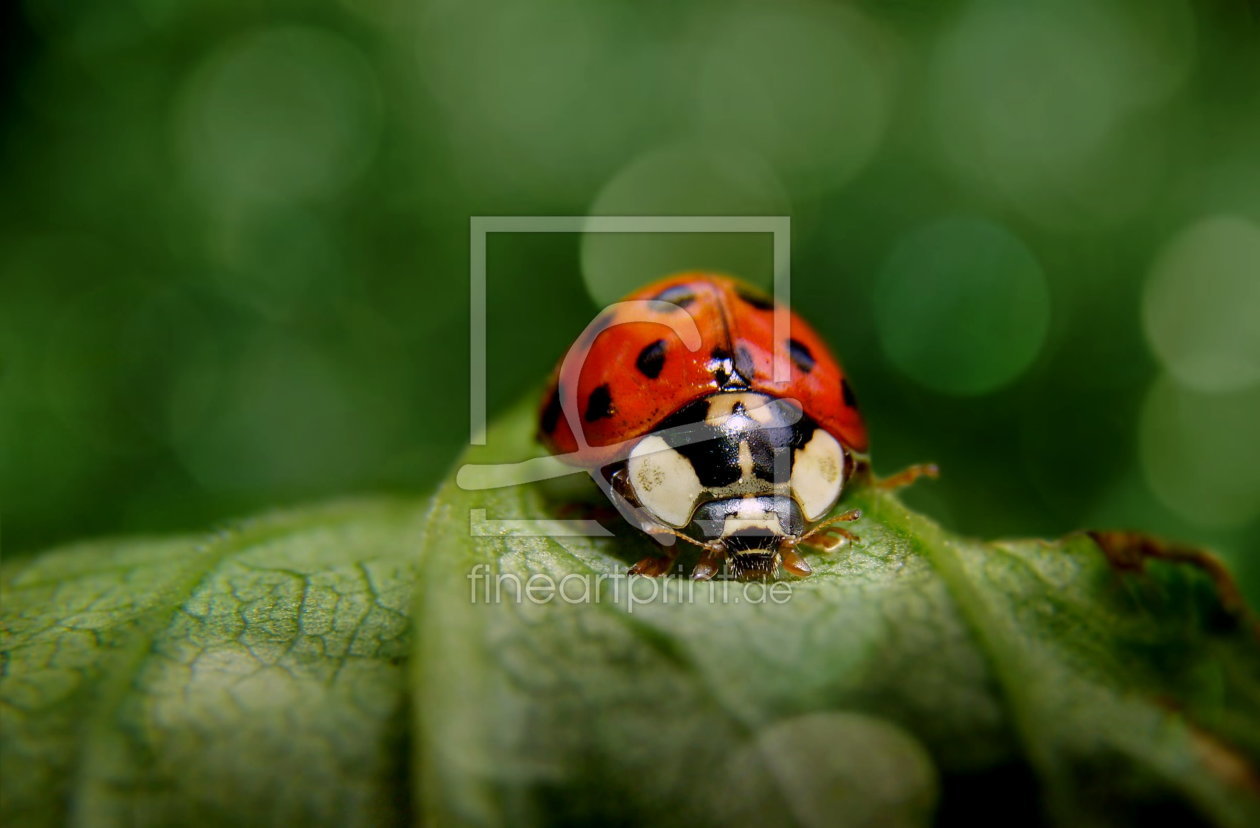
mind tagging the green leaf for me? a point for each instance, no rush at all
(269, 674)
(915, 674)
(252, 676)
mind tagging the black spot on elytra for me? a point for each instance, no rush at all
(850, 399)
(757, 300)
(680, 295)
(599, 404)
(551, 412)
(801, 356)
(651, 359)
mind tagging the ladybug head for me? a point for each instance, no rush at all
(752, 532)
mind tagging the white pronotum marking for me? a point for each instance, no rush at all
(665, 482)
(818, 474)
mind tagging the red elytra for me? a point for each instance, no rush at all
(632, 367)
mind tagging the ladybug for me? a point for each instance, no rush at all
(698, 402)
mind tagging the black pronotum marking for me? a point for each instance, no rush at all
(551, 412)
(713, 451)
(755, 299)
(680, 295)
(599, 404)
(849, 398)
(651, 359)
(713, 455)
(801, 356)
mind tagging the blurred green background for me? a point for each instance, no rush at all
(235, 240)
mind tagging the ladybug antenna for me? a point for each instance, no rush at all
(706, 545)
(843, 517)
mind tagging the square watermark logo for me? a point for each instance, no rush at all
(779, 228)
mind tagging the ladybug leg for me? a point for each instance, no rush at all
(793, 562)
(710, 562)
(654, 566)
(832, 537)
(907, 476)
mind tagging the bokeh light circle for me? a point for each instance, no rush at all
(1201, 452)
(283, 113)
(682, 181)
(285, 419)
(1026, 97)
(962, 306)
(279, 262)
(544, 97)
(1201, 307)
(807, 85)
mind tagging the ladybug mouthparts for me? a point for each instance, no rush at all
(753, 554)
(754, 566)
